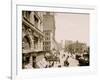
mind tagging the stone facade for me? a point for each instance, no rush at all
(32, 36)
(49, 31)
(38, 36)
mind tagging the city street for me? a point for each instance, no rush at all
(44, 44)
(42, 63)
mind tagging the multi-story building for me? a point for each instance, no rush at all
(32, 36)
(49, 31)
(67, 43)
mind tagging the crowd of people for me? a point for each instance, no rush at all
(60, 59)
(65, 59)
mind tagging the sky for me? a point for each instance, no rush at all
(72, 27)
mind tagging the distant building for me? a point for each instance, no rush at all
(32, 36)
(60, 45)
(67, 42)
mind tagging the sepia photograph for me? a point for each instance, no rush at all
(55, 39)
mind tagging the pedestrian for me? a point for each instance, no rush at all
(66, 63)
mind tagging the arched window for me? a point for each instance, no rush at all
(26, 43)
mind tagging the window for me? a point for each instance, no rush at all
(35, 42)
(35, 21)
(25, 43)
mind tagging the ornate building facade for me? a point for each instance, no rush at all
(49, 31)
(38, 37)
(32, 37)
